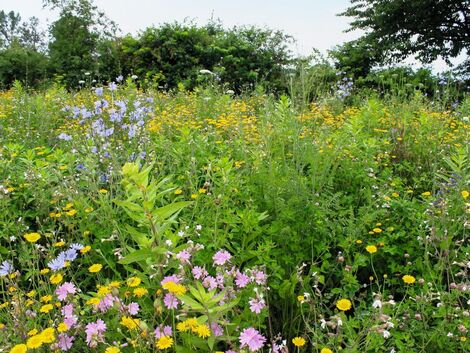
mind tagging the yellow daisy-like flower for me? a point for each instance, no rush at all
(44, 271)
(408, 279)
(344, 304)
(164, 342)
(426, 194)
(56, 278)
(19, 348)
(95, 268)
(32, 237)
(112, 350)
(377, 230)
(34, 342)
(46, 298)
(298, 341)
(140, 292)
(48, 335)
(133, 281)
(71, 213)
(465, 194)
(59, 244)
(326, 350)
(371, 249)
(85, 249)
(93, 301)
(32, 332)
(301, 298)
(203, 331)
(31, 294)
(62, 327)
(129, 322)
(103, 291)
(46, 308)
(103, 191)
(174, 288)
(178, 192)
(182, 326)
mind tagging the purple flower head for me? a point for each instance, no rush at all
(163, 331)
(67, 310)
(112, 86)
(183, 256)
(70, 254)
(252, 339)
(170, 301)
(199, 272)
(64, 342)
(259, 277)
(76, 246)
(242, 280)
(106, 303)
(256, 305)
(58, 263)
(119, 78)
(99, 91)
(173, 278)
(64, 136)
(65, 289)
(221, 257)
(210, 283)
(6, 268)
(94, 332)
(216, 329)
(133, 308)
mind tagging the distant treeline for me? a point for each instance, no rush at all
(82, 48)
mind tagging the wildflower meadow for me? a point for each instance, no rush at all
(141, 221)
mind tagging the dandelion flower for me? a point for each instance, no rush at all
(371, 249)
(32, 237)
(298, 341)
(112, 350)
(326, 350)
(46, 308)
(133, 281)
(56, 278)
(343, 304)
(465, 194)
(203, 331)
(408, 279)
(19, 348)
(164, 342)
(95, 268)
(34, 342)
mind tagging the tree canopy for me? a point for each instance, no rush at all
(427, 29)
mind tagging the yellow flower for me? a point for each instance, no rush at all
(129, 322)
(95, 268)
(174, 288)
(32, 332)
(46, 299)
(408, 279)
(59, 244)
(62, 327)
(178, 192)
(114, 284)
(85, 249)
(395, 194)
(194, 196)
(182, 326)
(326, 350)
(164, 342)
(202, 191)
(34, 342)
(301, 298)
(359, 241)
(19, 348)
(203, 331)
(31, 294)
(46, 308)
(103, 291)
(71, 213)
(93, 301)
(343, 304)
(298, 341)
(44, 271)
(371, 249)
(48, 335)
(465, 194)
(112, 350)
(32, 237)
(103, 191)
(140, 292)
(377, 230)
(56, 278)
(133, 281)
(426, 194)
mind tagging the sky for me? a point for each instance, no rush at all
(313, 23)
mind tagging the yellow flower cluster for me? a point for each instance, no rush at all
(174, 288)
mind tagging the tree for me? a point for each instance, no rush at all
(27, 34)
(427, 29)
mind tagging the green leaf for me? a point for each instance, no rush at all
(136, 256)
(167, 211)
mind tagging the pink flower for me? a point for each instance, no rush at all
(64, 290)
(67, 310)
(242, 280)
(94, 332)
(106, 303)
(216, 329)
(133, 308)
(199, 272)
(259, 277)
(209, 282)
(183, 256)
(221, 257)
(173, 278)
(64, 342)
(163, 331)
(256, 305)
(252, 339)
(170, 301)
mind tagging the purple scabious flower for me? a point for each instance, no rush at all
(58, 263)
(221, 257)
(183, 256)
(94, 332)
(252, 339)
(99, 91)
(64, 136)
(242, 280)
(112, 86)
(199, 272)
(133, 308)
